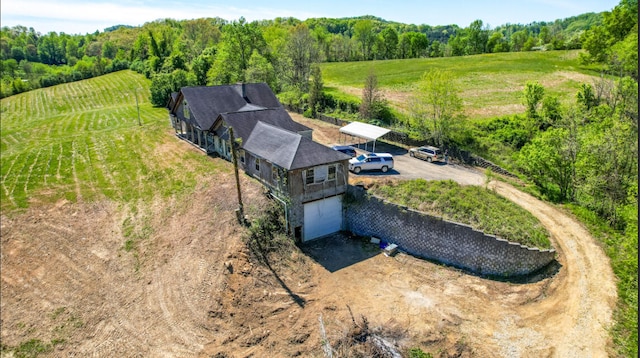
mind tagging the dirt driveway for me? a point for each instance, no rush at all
(566, 315)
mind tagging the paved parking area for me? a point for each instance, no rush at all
(407, 167)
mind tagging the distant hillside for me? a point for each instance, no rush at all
(33, 60)
(489, 84)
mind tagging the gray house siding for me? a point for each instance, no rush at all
(186, 129)
(300, 192)
(291, 186)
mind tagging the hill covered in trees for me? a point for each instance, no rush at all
(279, 51)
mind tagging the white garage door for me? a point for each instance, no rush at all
(322, 217)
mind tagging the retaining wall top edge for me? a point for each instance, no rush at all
(494, 237)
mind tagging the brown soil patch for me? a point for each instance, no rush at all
(189, 288)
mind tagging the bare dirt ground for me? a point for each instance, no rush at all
(190, 288)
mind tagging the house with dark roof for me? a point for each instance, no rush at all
(193, 110)
(306, 177)
(310, 178)
(243, 123)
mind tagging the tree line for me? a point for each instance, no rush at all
(279, 51)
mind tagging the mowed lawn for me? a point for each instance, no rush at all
(489, 84)
(82, 141)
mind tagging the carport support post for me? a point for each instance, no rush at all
(235, 167)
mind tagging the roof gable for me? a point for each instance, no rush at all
(244, 122)
(273, 144)
(206, 103)
(287, 149)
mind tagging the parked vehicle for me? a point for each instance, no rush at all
(428, 153)
(371, 161)
(345, 149)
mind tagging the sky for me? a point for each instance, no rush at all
(82, 16)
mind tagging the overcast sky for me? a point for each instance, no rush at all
(81, 17)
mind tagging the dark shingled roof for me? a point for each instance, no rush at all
(207, 103)
(244, 122)
(287, 149)
(172, 100)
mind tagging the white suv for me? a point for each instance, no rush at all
(371, 161)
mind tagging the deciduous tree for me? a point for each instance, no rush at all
(550, 161)
(363, 33)
(531, 96)
(371, 98)
(436, 107)
(301, 51)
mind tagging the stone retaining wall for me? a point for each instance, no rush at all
(433, 238)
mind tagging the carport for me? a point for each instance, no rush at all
(366, 131)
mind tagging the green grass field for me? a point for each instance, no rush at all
(489, 84)
(82, 141)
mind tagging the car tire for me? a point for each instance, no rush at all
(384, 169)
(356, 170)
(429, 159)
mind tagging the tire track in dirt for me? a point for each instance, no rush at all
(74, 172)
(577, 312)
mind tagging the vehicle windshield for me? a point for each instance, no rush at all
(361, 157)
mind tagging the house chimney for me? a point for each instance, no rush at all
(244, 90)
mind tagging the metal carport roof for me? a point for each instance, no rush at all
(365, 130)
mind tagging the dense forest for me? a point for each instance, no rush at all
(279, 52)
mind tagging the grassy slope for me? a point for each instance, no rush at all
(490, 84)
(82, 141)
(478, 207)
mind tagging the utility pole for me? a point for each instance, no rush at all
(234, 158)
(135, 91)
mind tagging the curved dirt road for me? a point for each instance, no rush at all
(446, 310)
(567, 315)
(577, 311)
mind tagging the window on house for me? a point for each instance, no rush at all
(320, 174)
(185, 109)
(258, 164)
(332, 172)
(310, 176)
(242, 156)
